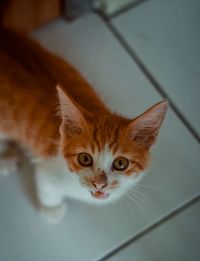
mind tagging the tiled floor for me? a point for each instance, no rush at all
(173, 179)
(165, 35)
(169, 241)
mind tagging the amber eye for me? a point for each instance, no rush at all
(120, 163)
(85, 159)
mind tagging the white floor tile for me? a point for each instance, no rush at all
(165, 35)
(88, 232)
(178, 239)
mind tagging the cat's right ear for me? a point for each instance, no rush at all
(73, 121)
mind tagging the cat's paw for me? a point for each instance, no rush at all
(54, 215)
(8, 166)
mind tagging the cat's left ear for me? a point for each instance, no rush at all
(145, 128)
(73, 121)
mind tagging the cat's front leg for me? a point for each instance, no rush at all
(50, 192)
(9, 157)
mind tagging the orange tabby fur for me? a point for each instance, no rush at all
(29, 102)
(28, 97)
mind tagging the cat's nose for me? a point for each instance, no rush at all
(100, 181)
(99, 186)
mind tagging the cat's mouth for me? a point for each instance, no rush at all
(100, 194)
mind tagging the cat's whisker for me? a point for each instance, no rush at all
(126, 205)
(149, 204)
(130, 207)
(147, 197)
(144, 200)
(121, 200)
(136, 203)
(142, 194)
(148, 187)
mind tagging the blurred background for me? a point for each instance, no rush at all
(134, 53)
(27, 15)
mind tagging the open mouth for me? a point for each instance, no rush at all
(100, 195)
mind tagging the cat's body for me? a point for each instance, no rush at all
(85, 151)
(28, 79)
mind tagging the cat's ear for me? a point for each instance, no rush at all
(73, 121)
(144, 129)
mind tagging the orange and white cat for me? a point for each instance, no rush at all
(83, 150)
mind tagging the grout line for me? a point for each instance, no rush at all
(150, 77)
(149, 229)
(123, 9)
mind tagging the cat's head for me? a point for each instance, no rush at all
(108, 153)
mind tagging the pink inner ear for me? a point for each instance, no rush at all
(145, 128)
(73, 120)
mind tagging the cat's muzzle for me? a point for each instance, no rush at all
(100, 195)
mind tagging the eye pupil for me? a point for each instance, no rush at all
(85, 159)
(120, 163)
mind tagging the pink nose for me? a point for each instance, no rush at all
(100, 180)
(98, 186)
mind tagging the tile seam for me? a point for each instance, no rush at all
(181, 208)
(157, 86)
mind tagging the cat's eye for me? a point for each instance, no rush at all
(85, 159)
(120, 163)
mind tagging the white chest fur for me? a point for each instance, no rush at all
(55, 182)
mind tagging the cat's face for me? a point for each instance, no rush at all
(108, 153)
(105, 158)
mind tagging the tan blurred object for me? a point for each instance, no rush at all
(27, 15)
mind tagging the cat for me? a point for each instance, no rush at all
(82, 149)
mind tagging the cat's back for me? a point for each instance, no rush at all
(24, 59)
(28, 97)
(27, 93)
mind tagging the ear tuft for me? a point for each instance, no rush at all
(73, 121)
(145, 128)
